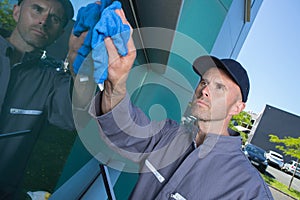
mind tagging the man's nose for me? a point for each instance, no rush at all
(44, 19)
(205, 91)
(202, 91)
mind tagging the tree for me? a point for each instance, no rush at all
(240, 119)
(6, 19)
(290, 146)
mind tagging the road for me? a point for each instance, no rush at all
(283, 177)
(277, 195)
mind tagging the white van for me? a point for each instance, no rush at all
(275, 159)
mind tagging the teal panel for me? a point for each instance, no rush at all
(202, 20)
(154, 106)
(88, 144)
(161, 95)
(198, 27)
(125, 185)
(186, 70)
(226, 3)
(78, 157)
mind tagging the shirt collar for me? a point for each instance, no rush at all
(6, 47)
(220, 143)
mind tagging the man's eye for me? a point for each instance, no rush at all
(36, 9)
(220, 87)
(55, 20)
(203, 83)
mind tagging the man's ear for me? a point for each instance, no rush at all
(237, 108)
(16, 12)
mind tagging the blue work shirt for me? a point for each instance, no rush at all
(172, 167)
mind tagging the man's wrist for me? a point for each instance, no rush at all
(112, 96)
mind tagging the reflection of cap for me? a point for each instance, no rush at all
(69, 11)
(234, 69)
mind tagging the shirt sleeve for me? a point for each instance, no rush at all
(59, 103)
(127, 129)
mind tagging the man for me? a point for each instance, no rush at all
(34, 89)
(176, 163)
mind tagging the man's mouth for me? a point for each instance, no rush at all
(40, 33)
(202, 103)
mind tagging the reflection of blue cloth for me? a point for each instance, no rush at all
(87, 18)
(109, 25)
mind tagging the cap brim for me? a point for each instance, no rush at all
(204, 63)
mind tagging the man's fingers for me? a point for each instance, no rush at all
(76, 42)
(111, 50)
(131, 47)
(121, 13)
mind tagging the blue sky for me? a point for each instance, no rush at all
(271, 55)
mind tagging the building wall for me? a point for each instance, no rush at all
(234, 29)
(204, 27)
(277, 122)
(199, 31)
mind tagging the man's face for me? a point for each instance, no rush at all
(39, 22)
(215, 96)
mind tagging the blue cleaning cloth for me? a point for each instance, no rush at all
(109, 25)
(86, 20)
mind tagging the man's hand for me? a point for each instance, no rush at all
(74, 44)
(118, 70)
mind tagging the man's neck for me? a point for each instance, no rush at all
(20, 47)
(215, 127)
(17, 41)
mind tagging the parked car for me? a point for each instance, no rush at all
(290, 167)
(257, 157)
(275, 159)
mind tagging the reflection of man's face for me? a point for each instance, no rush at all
(214, 96)
(39, 22)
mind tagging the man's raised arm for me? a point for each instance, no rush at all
(118, 70)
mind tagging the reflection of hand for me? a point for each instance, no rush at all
(74, 44)
(79, 42)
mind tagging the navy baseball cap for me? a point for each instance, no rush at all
(232, 67)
